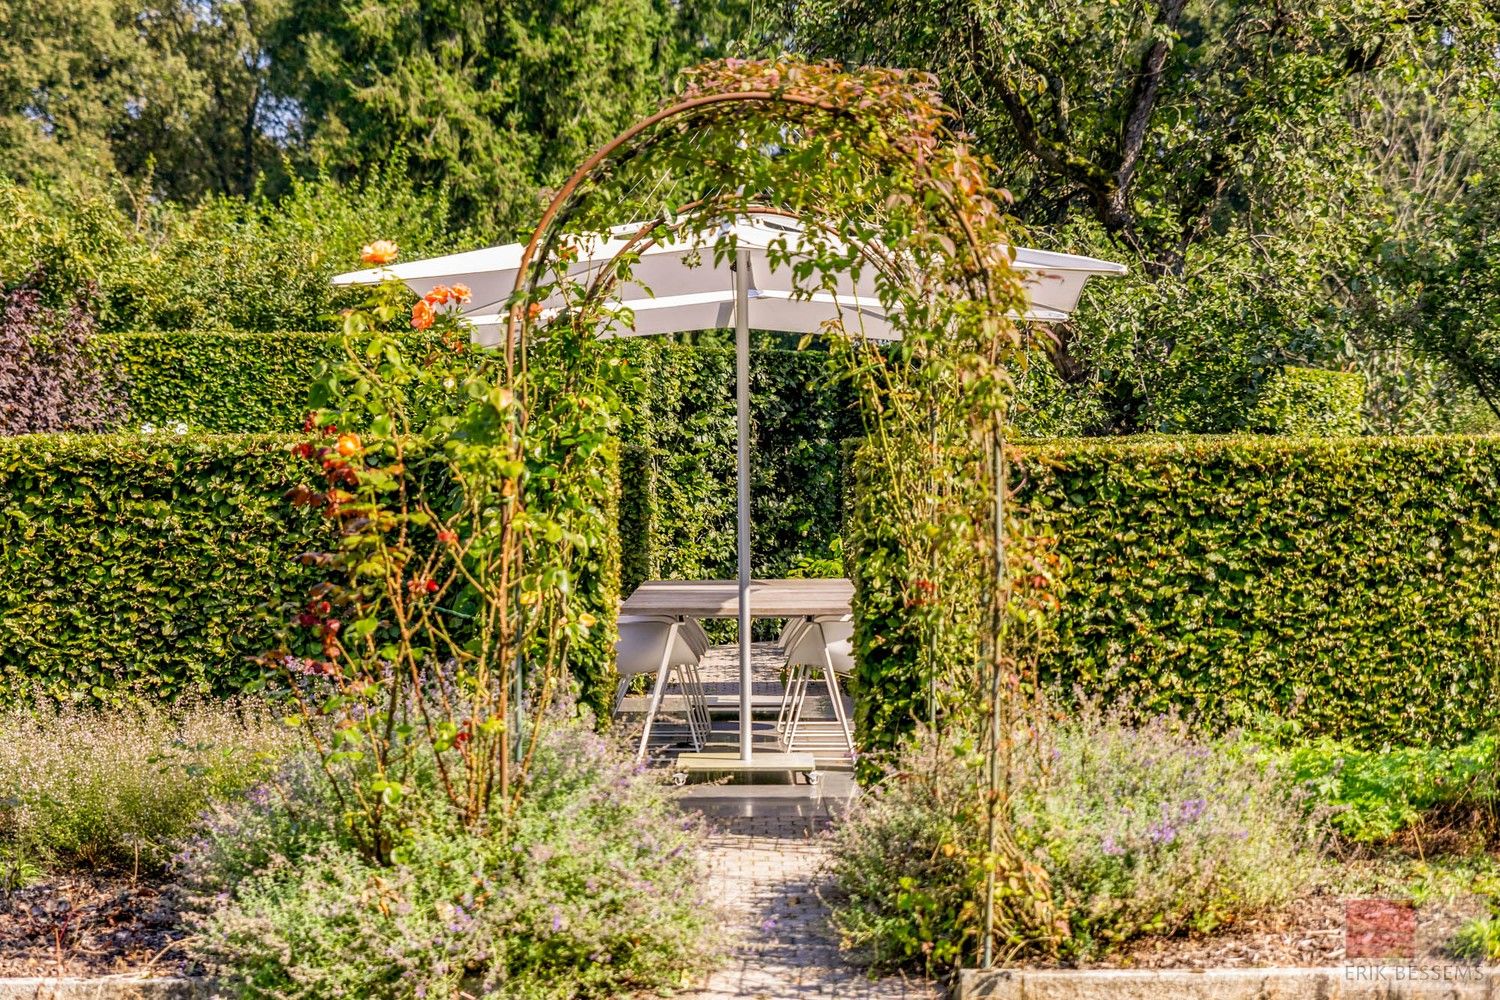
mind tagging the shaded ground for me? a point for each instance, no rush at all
(88, 925)
(766, 862)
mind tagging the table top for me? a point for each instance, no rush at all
(721, 598)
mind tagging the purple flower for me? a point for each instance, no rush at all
(1110, 847)
(1162, 833)
(1191, 810)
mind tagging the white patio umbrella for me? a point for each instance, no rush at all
(678, 287)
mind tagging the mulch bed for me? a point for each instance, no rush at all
(83, 925)
(1320, 929)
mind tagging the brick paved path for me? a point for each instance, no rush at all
(766, 871)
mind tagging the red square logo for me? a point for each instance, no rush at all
(1379, 928)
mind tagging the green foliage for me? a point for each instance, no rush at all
(1478, 939)
(224, 382)
(219, 382)
(170, 95)
(680, 441)
(493, 106)
(117, 788)
(1139, 830)
(594, 887)
(1146, 829)
(1248, 210)
(1373, 795)
(1348, 583)
(1311, 402)
(227, 264)
(142, 564)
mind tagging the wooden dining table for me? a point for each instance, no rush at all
(721, 598)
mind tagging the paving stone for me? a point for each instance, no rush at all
(768, 871)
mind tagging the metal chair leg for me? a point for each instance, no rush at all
(656, 693)
(831, 677)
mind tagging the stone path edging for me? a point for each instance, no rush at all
(1353, 982)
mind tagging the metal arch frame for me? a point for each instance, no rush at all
(567, 197)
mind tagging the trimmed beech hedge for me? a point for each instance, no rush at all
(219, 382)
(141, 563)
(677, 449)
(1350, 584)
(151, 564)
(216, 381)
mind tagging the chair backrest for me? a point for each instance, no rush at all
(829, 636)
(646, 639)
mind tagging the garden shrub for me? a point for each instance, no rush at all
(117, 788)
(158, 563)
(1351, 584)
(49, 381)
(220, 381)
(143, 564)
(593, 888)
(1141, 829)
(216, 381)
(1311, 402)
(1146, 829)
(1370, 796)
(227, 263)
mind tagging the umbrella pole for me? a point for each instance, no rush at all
(742, 468)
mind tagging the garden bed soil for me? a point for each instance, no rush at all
(1309, 933)
(90, 925)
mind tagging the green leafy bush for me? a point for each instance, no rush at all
(1146, 829)
(228, 263)
(1312, 402)
(157, 563)
(594, 887)
(1348, 583)
(220, 381)
(1373, 795)
(118, 787)
(1141, 829)
(143, 564)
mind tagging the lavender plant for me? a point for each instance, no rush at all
(1141, 828)
(115, 788)
(49, 381)
(597, 891)
(1147, 829)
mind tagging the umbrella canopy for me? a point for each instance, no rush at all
(680, 286)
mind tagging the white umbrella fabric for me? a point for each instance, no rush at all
(679, 287)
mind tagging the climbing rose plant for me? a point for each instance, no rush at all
(461, 488)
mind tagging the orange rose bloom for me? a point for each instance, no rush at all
(460, 293)
(379, 252)
(422, 315)
(438, 296)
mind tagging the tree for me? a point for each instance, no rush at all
(169, 96)
(1219, 146)
(496, 101)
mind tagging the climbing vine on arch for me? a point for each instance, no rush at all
(865, 160)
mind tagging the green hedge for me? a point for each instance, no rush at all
(218, 382)
(677, 447)
(148, 564)
(142, 563)
(1352, 584)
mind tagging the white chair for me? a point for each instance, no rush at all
(670, 648)
(825, 643)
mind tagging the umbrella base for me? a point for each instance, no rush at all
(730, 762)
